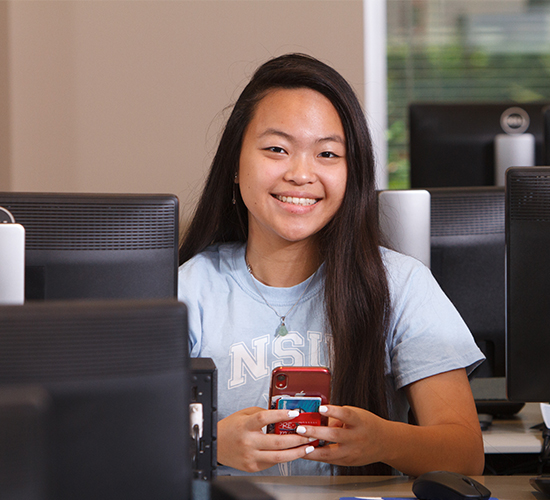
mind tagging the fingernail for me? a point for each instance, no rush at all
(301, 429)
(293, 413)
(309, 449)
(323, 409)
(312, 439)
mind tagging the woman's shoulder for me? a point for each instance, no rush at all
(396, 262)
(216, 257)
(210, 269)
(406, 274)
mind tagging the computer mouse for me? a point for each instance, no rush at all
(444, 485)
(541, 483)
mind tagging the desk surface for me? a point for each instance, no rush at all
(514, 434)
(333, 488)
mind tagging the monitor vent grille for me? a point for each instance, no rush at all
(462, 215)
(529, 198)
(79, 351)
(95, 227)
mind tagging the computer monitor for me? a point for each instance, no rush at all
(23, 460)
(528, 284)
(467, 260)
(97, 246)
(546, 135)
(452, 144)
(102, 393)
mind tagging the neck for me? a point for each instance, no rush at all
(284, 266)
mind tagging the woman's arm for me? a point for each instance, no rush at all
(447, 437)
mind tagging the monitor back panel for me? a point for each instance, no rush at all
(116, 378)
(467, 260)
(82, 246)
(528, 283)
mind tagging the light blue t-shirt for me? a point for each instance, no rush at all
(230, 322)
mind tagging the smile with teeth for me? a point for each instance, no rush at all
(305, 202)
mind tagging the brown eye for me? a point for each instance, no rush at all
(276, 149)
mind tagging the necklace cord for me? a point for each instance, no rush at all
(281, 329)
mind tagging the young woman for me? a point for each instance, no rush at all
(282, 265)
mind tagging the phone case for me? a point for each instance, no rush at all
(302, 388)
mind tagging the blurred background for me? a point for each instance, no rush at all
(130, 95)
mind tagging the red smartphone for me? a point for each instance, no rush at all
(302, 388)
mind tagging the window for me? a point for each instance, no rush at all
(462, 51)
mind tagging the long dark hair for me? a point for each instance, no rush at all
(356, 290)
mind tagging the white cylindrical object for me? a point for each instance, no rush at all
(12, 264)
(404, 217)
(545, 411)
(513, 151)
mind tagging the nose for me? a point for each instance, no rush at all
(301, 170)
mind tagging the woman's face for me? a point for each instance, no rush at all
(292, 170)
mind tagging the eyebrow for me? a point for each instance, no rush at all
(274, 131)
(280, 133)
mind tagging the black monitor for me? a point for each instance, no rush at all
(452, 144)
(467, 260)
(97, 246)
(99, 398)
(528, 283)
(546, 135)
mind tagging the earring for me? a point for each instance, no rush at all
(234, 200)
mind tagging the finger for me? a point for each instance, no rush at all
(250, 410)
(267, 417)
(344, 414)
(321, 432)
(281, 456)
(334, 422)
(268, 442)
(330, 453)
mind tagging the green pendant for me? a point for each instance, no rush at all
(281, 330)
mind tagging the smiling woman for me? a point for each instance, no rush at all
(282, 265)
(292, 177)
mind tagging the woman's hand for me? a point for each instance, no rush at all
(243, 445)
(352, 436)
